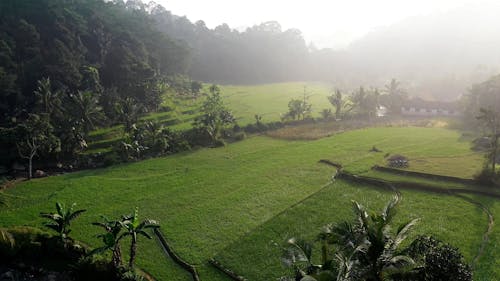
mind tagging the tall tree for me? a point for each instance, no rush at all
(491, 120)
(395, 97)
(35, 137)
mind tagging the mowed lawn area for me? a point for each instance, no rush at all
(233, 202)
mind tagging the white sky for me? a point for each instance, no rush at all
(327, 23)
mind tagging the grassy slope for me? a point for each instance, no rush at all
(262, 247)
(210, 198)
(271, 100)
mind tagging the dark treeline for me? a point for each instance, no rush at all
(108, 48)
(69, 66)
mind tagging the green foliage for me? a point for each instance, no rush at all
(60, 221)
(134, 227)
(111, 240)
(365, 249)
(73, 61)
(215, 116)
(36, 136)
(299, 109)
(326, 113)
(394, 97)
(267, 176)
(365, 103)
(440, 261)
(491, 121)
(338, 102)
(481, 96)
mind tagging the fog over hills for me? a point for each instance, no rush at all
(438, 55)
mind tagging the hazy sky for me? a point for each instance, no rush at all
(327, 23)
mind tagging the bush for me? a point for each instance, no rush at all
(397, 161)
(219, 143)
(112, 158)
(240, 136)
(440, 261)
(94, 269)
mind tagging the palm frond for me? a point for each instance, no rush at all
(145, 234)
(60, 209)
(403, 230)
(75, 214)
(390, 209)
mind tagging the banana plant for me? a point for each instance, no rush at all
(111, 239)
(60, 221)
(134, 227)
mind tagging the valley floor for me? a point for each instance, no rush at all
(239, 203)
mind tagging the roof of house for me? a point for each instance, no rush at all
(419, 103)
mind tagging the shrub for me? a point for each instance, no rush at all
(240, 136)
(440, 261)
(397, 161)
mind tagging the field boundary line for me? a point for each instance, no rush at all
(231, 274)
(489, 229)
(427, 188)
(177, 259)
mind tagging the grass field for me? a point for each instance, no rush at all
(268, 100)
(234, 202)
(271, 100)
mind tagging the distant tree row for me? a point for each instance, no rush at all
(360, 103)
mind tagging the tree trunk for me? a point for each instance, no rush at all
(117, 256)
(30, 167)
(494, 155)
(133, 249)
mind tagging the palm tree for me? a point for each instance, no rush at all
(111, 239)
(61, 220)
(395, 95)
(133, 227)
(127, 111)
(381, 259)
(48, 100)
(87, 109)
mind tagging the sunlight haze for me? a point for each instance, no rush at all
(333, 23)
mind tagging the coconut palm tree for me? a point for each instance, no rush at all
(133, 227)
(86, 109)
(60, 221)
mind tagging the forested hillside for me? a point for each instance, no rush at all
(109, 49)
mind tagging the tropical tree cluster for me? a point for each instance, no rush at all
(370, 249)
(67, 67)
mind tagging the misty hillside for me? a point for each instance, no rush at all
(438, 55)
